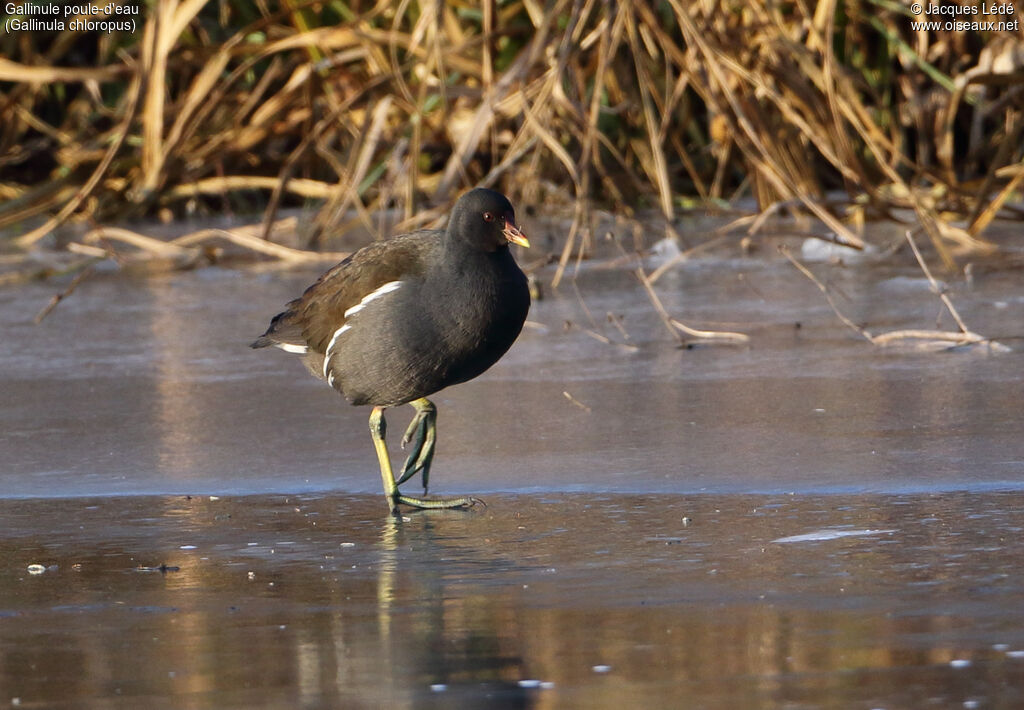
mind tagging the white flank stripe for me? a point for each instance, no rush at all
(289, 348)
(386, 288)
(330, 347)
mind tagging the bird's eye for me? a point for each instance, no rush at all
(488, 216)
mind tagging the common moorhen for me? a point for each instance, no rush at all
(401, 319)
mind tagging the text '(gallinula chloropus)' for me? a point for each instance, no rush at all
(401, 319)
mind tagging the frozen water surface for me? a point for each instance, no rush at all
(807, 521)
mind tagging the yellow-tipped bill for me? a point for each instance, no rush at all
(514, 235)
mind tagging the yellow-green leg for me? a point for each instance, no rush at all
(378, 430)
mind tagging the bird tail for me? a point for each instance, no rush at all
(283, 330)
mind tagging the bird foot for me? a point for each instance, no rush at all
(422, 432)
(434, 503)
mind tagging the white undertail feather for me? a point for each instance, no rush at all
(289, 348)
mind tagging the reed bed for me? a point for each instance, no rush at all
(839, 110)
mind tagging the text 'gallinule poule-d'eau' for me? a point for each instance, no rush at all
(401, 319)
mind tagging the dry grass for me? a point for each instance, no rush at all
(660, 105)
(926, 339)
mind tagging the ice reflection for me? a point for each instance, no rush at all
(314, 601)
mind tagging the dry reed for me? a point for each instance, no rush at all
(635, 105)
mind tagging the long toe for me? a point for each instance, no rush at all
(438, 503)
(419, 459)
(417, 428)
(417, 434)
(422, 432)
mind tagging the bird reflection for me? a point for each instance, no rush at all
(432, 621)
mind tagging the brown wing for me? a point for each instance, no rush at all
(312, 319)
